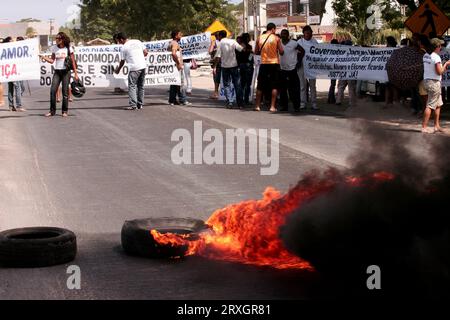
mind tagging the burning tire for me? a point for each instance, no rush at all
(138, 241)
(37, 247)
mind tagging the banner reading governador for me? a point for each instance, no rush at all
(325, 61)
(19, 61)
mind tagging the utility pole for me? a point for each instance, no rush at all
(245, 18)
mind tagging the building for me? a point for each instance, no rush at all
(293, 15)
(43, 29)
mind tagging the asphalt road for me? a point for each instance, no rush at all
(103, 165)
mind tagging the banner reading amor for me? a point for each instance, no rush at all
(346, 62)
(19, 61)
(96, 67)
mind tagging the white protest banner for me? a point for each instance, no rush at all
(19, 61)
(445, 56)
(324, 61)
(194, 47)
(96, 67)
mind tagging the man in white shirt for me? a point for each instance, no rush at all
(289, 76)
(133, 53)
(306, 42)
(226, 52)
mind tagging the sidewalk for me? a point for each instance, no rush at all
(397, 115)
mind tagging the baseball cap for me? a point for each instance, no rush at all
(437, 42)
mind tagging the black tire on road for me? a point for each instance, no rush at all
(37, 247)
(138, 241)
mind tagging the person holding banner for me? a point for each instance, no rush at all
(433, 71)
(14, 90)
(133, 53)
(307, 41)
(177, 56)
(2, 101)
(63, 66)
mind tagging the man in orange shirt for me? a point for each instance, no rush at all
(270, 48)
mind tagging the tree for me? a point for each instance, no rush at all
(353, 15)
(30, 32)
(154, 19)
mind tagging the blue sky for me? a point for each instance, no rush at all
(42, 10)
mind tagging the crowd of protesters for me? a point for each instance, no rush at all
(275, 60)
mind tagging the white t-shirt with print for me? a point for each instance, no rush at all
(429, 65)
(288, 61)
(60, 56)
(133, 53)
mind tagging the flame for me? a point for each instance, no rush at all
(248, 232)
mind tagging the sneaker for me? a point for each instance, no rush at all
(139, 107)
(186, 103)
(315, 107)
(229, 106)
(129, 108)
(20, 109)
(302, 106)
(174, 103)
(12, 108)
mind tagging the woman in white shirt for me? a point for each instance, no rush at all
(62, 73)
(433, 71)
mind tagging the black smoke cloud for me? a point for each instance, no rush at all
(402, 225)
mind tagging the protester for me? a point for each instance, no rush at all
(133, 53)
(60, 52)
(246, 66)
(306, 41)
(187, 65)
(342, 84)
(14, 90)
(332, 90)
(2, 101)
(215, 65)
(177, 55)
(270, 48)
(391, 92)
(289, 76)
(433, 71)
(230, 70)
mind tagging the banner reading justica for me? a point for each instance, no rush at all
(323, 61)
(19, 61)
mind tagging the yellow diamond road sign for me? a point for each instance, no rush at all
(428, 19)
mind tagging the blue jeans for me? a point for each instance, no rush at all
(228, 75)
(136, 81)
(15, 89)
(178, 91)
(246, 70)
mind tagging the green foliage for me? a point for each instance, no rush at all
(352, 16)
(149, 20)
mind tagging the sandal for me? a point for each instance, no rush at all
(427, 130)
